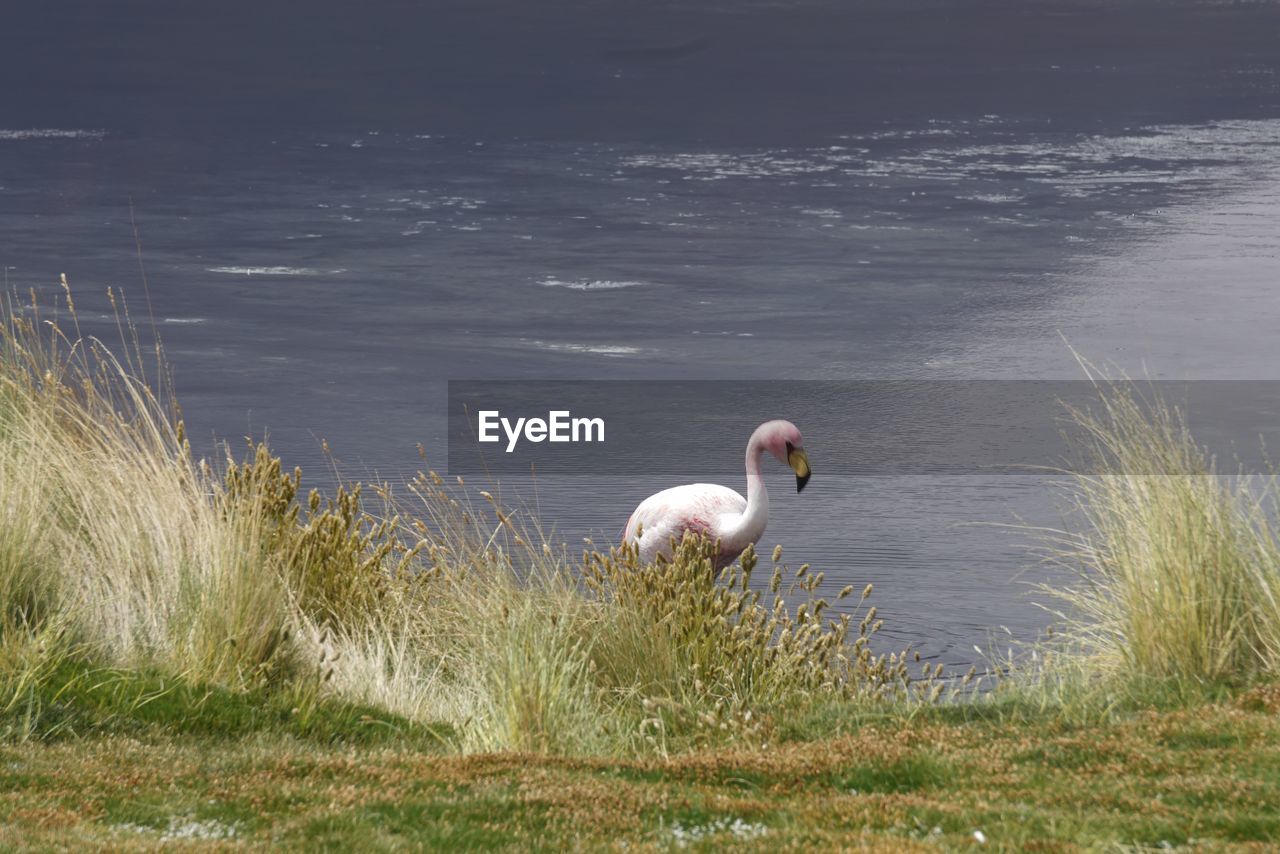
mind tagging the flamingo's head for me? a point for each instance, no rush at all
(782, 439)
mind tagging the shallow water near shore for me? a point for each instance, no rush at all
(316, 282)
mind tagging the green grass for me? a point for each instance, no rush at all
(74, 700)
(1211, 775)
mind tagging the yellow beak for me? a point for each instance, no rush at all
(799, 462)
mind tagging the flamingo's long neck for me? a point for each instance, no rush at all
(753, 520)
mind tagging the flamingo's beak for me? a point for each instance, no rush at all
(799, 462)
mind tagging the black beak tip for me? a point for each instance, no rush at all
(801, 482)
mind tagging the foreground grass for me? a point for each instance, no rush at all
(439, 604)
(1208, 776)
(202, 653)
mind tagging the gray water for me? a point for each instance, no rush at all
(322, 255)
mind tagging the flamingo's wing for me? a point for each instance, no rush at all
(667, 515)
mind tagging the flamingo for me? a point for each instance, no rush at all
(717, 512)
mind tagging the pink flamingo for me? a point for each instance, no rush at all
(718, 512)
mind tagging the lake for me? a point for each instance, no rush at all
(339, 213)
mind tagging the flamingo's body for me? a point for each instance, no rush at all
(718, 512)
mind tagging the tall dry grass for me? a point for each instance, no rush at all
(1178, 565)
(444, 606)
(108, 526)
(531, 650)
(117, 548)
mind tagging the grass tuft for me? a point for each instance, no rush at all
(1178, 567)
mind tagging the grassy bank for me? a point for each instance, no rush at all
(119, 551)
(194, 648)
(1208, 776)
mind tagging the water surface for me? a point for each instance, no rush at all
(337, 214)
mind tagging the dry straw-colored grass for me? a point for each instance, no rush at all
(116, 547)
(1178, 564)
(441, 605)
(109, 532)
